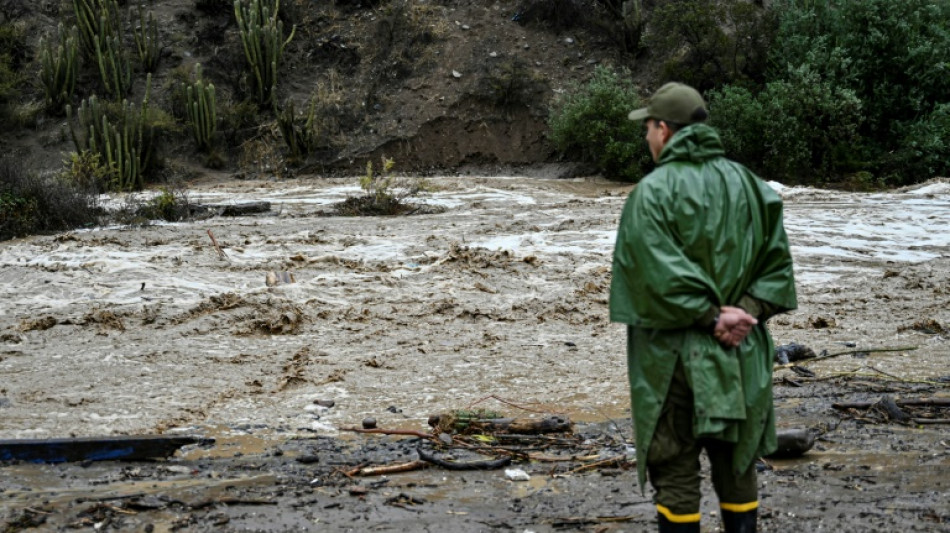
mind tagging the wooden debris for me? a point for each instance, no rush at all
(242, 209)
(391, 469)
(467, 465)
(217, 248)
(455, 423)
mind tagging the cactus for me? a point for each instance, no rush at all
(115, 69)
(59, 66)
(96, 20)
(262, 38)
(201, 109)
(124, 143)
(146, 40)
(300, 136)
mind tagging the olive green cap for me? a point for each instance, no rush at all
(673, 102)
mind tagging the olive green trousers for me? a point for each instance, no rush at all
(673, 462)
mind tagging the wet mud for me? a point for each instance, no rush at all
(498, 302)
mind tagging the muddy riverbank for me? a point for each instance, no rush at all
(498, 300)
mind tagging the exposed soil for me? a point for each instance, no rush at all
(499, 302)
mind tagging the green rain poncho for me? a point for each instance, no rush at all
(700, 231)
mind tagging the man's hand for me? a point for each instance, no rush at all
(733, 326)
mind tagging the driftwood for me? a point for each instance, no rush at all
(217, 248)
(391, 469)
(241, 209)
(467, 465)
(847, 352)
(907, 402)
(407, 432)
(520, 426)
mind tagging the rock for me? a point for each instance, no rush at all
(517, 474)
(369, 423)
(325, 403)
(456, 74)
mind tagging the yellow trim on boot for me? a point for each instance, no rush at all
(739, 507)
(677, 518)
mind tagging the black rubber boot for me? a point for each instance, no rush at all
(676, 527)
(744, 522)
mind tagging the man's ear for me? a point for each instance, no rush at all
(665, 131)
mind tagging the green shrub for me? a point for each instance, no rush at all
(32, 204)
(738, 115)
(793, 130)
(924, 151)
(892, 55)
(589, 123)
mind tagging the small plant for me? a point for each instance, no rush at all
(60, 66)
(170, 205)
(385, 194)
(590, 123)
(86, 170)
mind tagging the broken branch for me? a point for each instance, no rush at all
(468, 465)
(392, 469)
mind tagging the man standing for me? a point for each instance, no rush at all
(701, 262)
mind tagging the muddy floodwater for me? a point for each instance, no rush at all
(498, 302)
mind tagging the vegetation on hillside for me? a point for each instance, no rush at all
(854, 92)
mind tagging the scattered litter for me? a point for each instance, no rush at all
(517, 474)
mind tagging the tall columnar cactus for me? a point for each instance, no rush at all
(146, 40)
(59, 66)
(124, 143)
(201, 108)
(115, 69)
(262, 36)
(96, 20)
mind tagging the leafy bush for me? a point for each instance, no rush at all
(794, 130)
(925, 150)
(892, 56)
(589, 123)
(32, 204)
